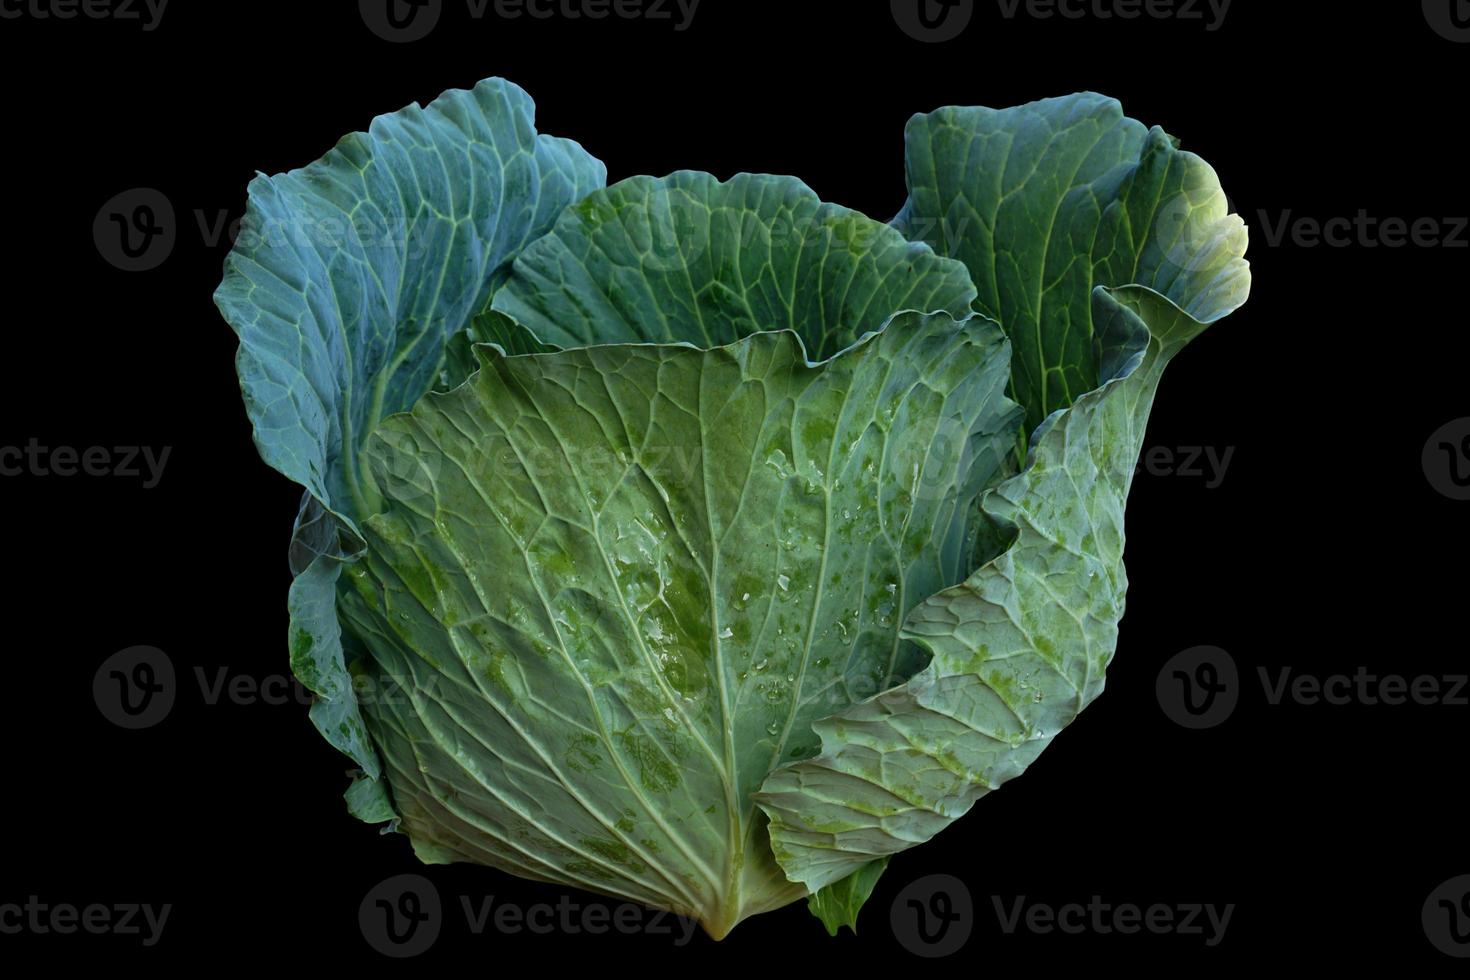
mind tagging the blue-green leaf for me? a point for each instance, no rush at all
(347, 281)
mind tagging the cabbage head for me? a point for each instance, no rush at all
(698, 542)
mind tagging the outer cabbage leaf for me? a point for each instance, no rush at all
(347, 280)
(619, 583)
(1103, 249)
(1045, 201)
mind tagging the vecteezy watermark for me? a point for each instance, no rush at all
(1449, 18)
(137, 229)
(404, 916)
(1192, 231)
(569, 918)
(933, 21)
(933, 916)
(403, 21)
(143, 463)
(1211, 13)
(1446, 917)
(1200, 688)
(1363, 230)
(1446, 459)
(1284, 685)
(39, 918)
(148, 13)
(135, 688)
(1207, 463)
(936, 21)
(1100, 918)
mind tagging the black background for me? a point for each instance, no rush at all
(1324, 547)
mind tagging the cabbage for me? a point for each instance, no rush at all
(701, 543)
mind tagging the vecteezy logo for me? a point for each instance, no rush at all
(1446, 459)
(1199, 687)
(134, 688)
(136, 231)
(1449, 18)
(405, 474)
(933, 21)
(1190, 230)
(1446, 917)
(401, 21)
(933, 916)
(401, 917)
